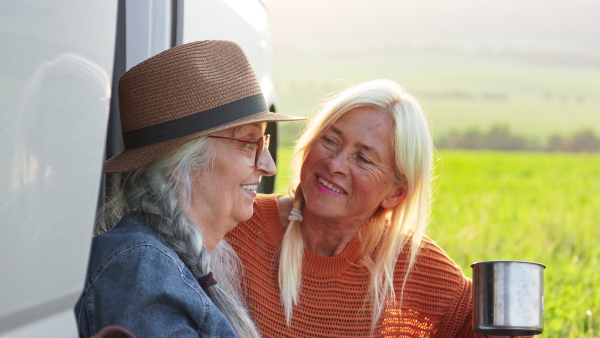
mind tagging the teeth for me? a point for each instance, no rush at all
(249, 187)
(330, 186)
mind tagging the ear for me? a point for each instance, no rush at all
(396, 195)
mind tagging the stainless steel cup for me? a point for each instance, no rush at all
(508, 298)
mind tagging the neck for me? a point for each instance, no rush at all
(327, 237)
(212, 229)
(209, 242)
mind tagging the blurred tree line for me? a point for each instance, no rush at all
(499, 137)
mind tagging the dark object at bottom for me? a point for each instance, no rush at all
(508, 331)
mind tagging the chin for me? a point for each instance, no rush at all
(245, 215)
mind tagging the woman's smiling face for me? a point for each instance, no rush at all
(348, 172)
(224, 192)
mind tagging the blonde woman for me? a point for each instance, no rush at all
(345, 255)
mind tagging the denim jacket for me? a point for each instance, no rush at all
(134, 280)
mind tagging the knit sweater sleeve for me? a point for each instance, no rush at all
(257, 243)
(265, 224)
(466, 302)
(451, 289)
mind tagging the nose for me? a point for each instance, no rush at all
(266, 165)
(338, 163)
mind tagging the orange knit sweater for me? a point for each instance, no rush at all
(437, 296)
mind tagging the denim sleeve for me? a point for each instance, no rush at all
(149, 292)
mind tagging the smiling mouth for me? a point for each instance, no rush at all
(330, 186)
(249, 187)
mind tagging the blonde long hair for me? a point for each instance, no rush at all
(413, 156)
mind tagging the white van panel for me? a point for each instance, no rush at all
(58, 325)
(57, 65)
(243, 21)
(148, 29)
(57, 60)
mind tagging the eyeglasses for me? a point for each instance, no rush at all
(261, 143)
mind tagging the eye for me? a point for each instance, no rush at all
(363, 159)
(249, 146)
(328, 142)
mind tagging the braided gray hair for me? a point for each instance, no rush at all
(158, 192)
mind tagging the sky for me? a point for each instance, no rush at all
(570, 22)
(529, 50)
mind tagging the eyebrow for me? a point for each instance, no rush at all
(360, 145)
(257, 125)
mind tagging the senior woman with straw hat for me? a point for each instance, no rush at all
(193, 120)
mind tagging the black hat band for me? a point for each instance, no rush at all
(194, 123)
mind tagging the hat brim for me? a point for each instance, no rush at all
(136, 158)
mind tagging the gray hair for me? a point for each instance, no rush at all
(158, 192)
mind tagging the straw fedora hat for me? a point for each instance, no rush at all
(183, 93)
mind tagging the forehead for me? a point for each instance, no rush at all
(251, 127)
(364, 122)
(368, 128)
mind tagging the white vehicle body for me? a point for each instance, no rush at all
(60, 63)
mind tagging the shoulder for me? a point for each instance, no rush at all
(432, 258)
(432, 264)
(138, 272)
(130, 231)
(130, 243)
(132, 257)
(432, 251)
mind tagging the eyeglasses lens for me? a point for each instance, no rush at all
(260, 147)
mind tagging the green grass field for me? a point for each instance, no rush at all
(522, 206)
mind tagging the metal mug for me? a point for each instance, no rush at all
(508, 298)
